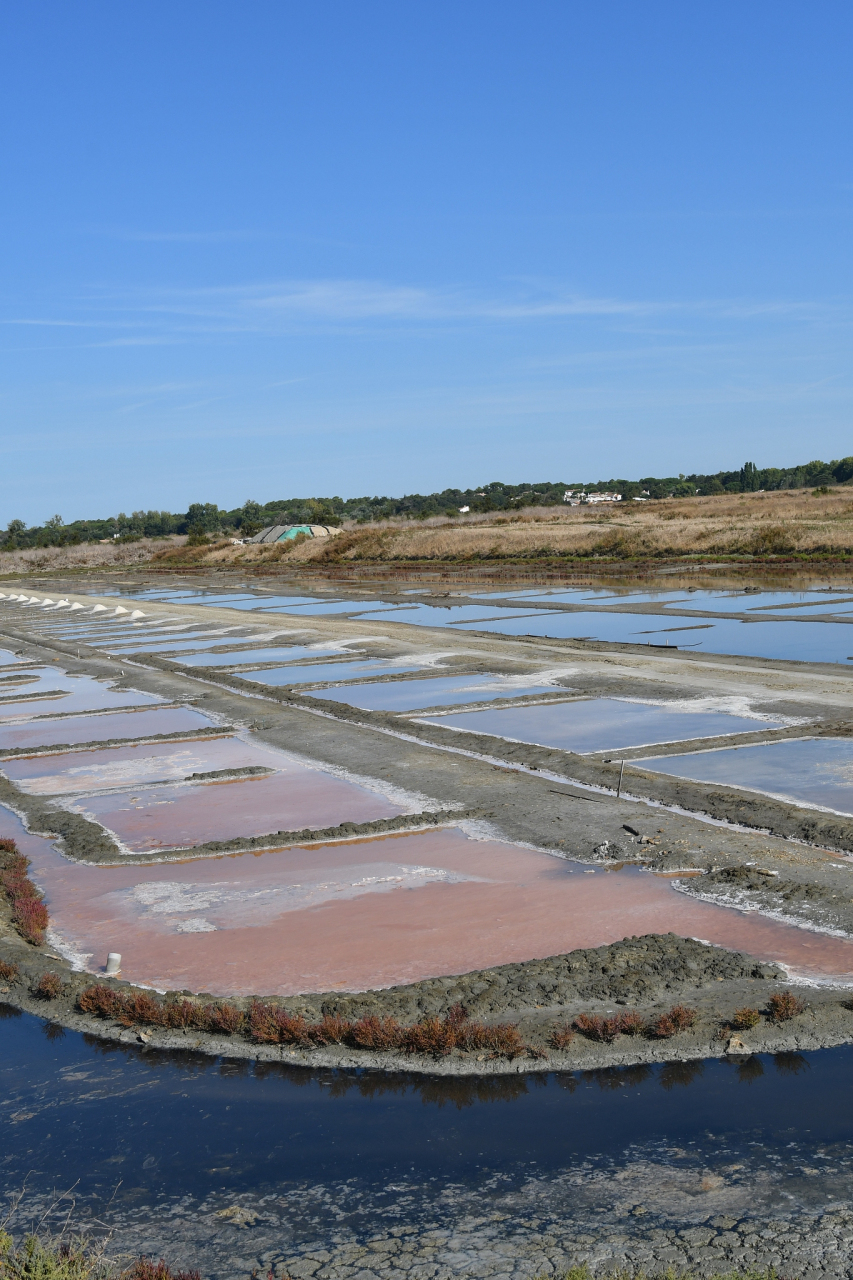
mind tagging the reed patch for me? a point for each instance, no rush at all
(29, 913)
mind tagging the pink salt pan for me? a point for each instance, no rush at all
(98, 728)
(185, 815)
(135, 765)
(341, 917)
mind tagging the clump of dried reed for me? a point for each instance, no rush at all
(679, 1018)
(88, 555)
(561, 1037)
(48, 986)
(784, 1005)
(270, 1024)
(745, 1019)
(596, 1027)
(29, 914)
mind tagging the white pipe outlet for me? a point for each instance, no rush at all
(113, 963)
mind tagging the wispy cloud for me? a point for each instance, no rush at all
(173, 315)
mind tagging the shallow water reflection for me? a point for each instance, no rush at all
(601, 724)
(278, 653)
(73, 693)
(811, 771)
(408, 695)
(295, 798)
(322, 671)
(100, 728)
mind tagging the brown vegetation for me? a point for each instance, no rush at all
(795, 524)
(679, 1018)
(8, 972)
(29, 914)
(86, 555)
(785, 1005)
(266, 1023)
(48, 986)
(270, 1024)
(745, 1019)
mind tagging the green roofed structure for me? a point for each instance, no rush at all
(283, 532)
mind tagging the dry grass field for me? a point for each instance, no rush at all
(86, 555)
(791, 525)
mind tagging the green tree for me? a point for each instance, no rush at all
(251, 518)
(749, 479)
(13, 536)
(203, 517)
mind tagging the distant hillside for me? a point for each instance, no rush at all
(207, 518)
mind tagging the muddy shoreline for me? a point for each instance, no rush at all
(647, 975)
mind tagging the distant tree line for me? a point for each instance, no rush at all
(204, 520)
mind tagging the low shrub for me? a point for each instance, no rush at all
(373, 1032)
(8, 972)
(331, 1030)
(179, 1014)
(99, 1000)
(561, 1037)
(745, 1019)
(225, 1018)
(29, 914)
(594, 1027)
(47, 1259)
(432, 1035)
(503, 1039)
(679, 1018)
(784, 1005)
(48, 986)
(270, 1024)
(139, 1007)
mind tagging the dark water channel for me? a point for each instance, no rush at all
(159, 1144)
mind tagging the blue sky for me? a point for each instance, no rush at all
(268, 249)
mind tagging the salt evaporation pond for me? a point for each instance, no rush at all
(810, 771)
(377, 912)
(146, 819)
(760, 638)
(98, 728)
(408, 695)
(168, 647)
(73, 693)
(134, 766)
(278, 653)
(601, 724)
(322, 671)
